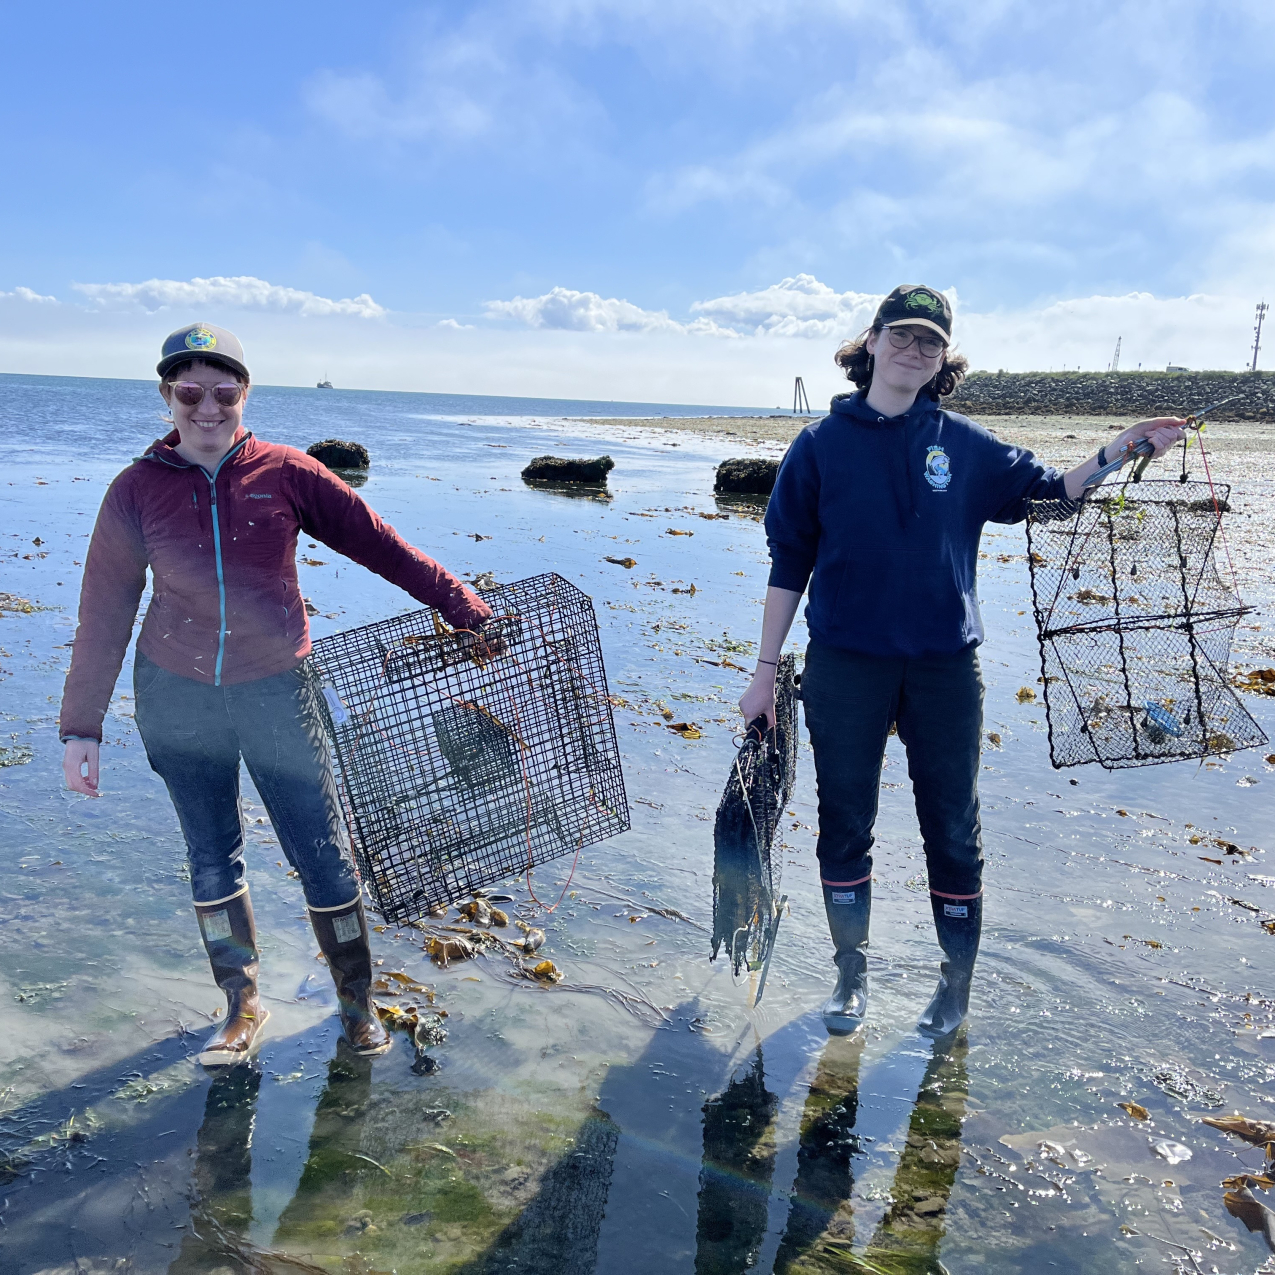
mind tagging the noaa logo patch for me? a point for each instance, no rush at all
(938, 469)
(200, 339)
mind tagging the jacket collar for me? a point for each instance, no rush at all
(165, 449)
(855, 405)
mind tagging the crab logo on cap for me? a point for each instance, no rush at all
(200, 339)
(923, 300)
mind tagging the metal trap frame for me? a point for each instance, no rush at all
(746, 866)
(1135, 624)
(458, 767)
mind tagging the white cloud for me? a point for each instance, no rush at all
(798, 306)
(26, 294)
(567, 310)
(451, 323)
(241, 292)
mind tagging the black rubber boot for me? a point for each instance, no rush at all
(959, 923)
(849, 909)
(230, 939)
(343, 937)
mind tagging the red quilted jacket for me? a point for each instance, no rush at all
(227, 605)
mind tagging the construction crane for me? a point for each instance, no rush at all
(799, 399)
(1262, 308)
(1115, 358)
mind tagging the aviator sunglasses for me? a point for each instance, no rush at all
(901, 338)
(189, 394)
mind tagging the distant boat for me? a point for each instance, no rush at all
(324, 384)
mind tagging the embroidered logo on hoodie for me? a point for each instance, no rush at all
(938, 469)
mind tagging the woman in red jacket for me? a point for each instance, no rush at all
(215, 513)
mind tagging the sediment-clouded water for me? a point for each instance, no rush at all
(639, 1116)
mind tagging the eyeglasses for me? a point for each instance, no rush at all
(901, 338)
(189, 394)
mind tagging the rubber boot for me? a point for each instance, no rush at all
(849, 909)
(230, 937)
(959, 923)
(343, 938)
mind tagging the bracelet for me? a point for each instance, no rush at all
(772, 663)
(1102, 455)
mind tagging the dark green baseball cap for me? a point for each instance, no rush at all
(205, 342)
(915, 303)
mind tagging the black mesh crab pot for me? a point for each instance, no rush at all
(1135, 625)
(746, 865)
(458, 767)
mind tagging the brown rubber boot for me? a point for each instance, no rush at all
(343, 938)
(230, 938)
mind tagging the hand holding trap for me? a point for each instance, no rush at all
(463, 759)
(1135, 625)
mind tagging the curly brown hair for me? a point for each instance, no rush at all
(853, 358)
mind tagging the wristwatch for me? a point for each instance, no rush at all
(1102, 455)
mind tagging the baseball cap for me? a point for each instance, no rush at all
(915, 303)
(205, 342)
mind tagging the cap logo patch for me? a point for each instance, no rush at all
(200, 339)
(938, 469)
(924, 301)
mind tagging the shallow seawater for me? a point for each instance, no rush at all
(638, 1116)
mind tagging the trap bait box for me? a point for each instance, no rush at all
(460, 764)
(1135, 623)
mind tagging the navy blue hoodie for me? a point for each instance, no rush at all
(886, 513)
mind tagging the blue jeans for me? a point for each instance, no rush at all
(195, 735)
(850, 703)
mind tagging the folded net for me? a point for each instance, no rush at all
(458, 770)
(746, 864)
(1135, 624)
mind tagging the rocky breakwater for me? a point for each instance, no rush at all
(1134, 394)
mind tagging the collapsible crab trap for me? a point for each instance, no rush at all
(746, 867)
(1135, 625)
(462, 762)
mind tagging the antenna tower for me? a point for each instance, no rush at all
(799, 399)
(1262, 308)
(1115, 358)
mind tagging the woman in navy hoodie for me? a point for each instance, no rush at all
(879, 508)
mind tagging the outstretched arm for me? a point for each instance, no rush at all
(781, 608)
(1161, 433)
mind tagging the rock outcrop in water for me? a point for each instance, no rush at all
(746, 475)
(1136, 394)
(568, 469)
(337, 453)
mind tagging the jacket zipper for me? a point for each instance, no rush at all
(221, 575)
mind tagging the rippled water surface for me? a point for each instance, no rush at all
(639, 1116)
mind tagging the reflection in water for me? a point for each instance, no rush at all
(336, 1162)
(908, 1238)
(820, 1207)
(222, 1186)
(820, 1230)
(734, 1183)
(557, 1232)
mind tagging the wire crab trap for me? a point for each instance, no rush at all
(1135, 625)
(746, 872)
(459, 768)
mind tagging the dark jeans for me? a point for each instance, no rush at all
(195, 735)
(850, 702)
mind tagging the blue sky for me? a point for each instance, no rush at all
(694, 197)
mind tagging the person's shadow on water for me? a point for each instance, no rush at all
(819, 1234)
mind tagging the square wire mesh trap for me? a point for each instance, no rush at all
(1135, 625)
(456, 772)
